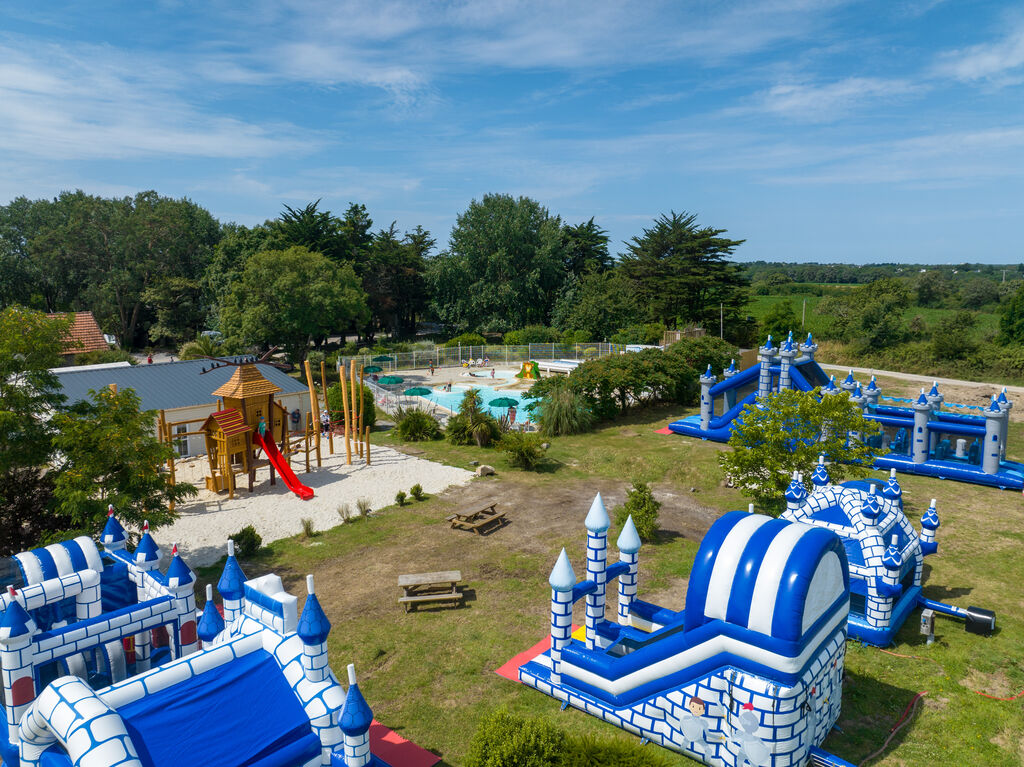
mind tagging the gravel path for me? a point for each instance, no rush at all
(206, 521)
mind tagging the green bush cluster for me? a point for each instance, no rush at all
(524, 451)
(472, 424)
(466, 339)
(335, 401)
(640, 505)
(504, 739)
(414, 425)
(247, 541)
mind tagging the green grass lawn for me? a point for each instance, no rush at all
(429, 675)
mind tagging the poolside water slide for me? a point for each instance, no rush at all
(278, 462)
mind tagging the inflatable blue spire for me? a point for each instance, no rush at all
(356, 716)
(796, 491)
(930, 520)
(597, 518)
(871, 509)
(113, 532)
(820, 477)
(1002, 400)
(831, 385)
(922, 400)
(16, 621)
(891, 558)
(810, 340)
(787, 345)
(768, 343)
(147, 550)
(994, 407)
(313, 624)
(732, 369)
(210, 622)
(857, 392)
(892, 489)
(872, 384)
(935, 389)
(232, 581)
(178, 573)
(629, 540)
(849, 378)
(562, 576)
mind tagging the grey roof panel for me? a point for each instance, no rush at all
(166, 385)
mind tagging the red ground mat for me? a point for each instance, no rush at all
(666, 430)
(396, 750)
(511, 669)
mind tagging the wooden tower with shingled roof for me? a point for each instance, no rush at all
(246, 399)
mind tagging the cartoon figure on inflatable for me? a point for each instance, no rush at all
(748, 673)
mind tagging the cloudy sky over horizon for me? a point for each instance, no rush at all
(827, 130)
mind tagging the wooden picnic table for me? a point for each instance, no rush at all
(478, 521)
(441, 586)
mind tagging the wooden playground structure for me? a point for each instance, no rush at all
(245, 403)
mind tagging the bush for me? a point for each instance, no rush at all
(651, 333)
(504, 739)
(308, 531)
(467, 339)
(564, 411)
(533, 334)
(104, 356)
(588, 751)
(314, 358)
(416, 491)
(415, 425)
(472, 424)
(640, 504)
(523, 450)
(363, 504)
(247, 541)
(400, 498)
(335, 402)
(345, 512)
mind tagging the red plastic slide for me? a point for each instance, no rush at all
(279, 463)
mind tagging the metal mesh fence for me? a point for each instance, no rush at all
(464, 356)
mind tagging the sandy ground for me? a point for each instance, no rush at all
(206, 521)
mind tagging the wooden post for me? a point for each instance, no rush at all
(362, 400)
(327, 406)
(314, 411)
(309, 423)
(367, 445)
(353, 378)
(164, 435)
(348, 427)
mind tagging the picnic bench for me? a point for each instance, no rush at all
(430, 587)
(478, 521)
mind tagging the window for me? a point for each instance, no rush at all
(857, 604)
(181, 443)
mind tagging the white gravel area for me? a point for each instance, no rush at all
(205, 522)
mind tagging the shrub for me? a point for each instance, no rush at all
(247, 541)
(308, 531)
(416, 491)
(588, 751)
(467, 339)
(533, 334)
(414, 425)
(564, 411)
(504, 739)
(102, 356)
(640, 504)
(400, 498)
(363, 504)
(345, 512)
(335, 401)
(651, 333)
(523, 450)
(315, 357)
(472, 424)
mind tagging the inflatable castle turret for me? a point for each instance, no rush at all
(871, 394)
(1006, 405)
(886, 554)
(808, 347)
(707, 380)
(849, 383)
(787, 353)
(313, 630)
(922, 414)
(355, 724)
(730, 393)
(764, 378)
(820, 477)
(749, 672)
(830, 386)
(231, 585)
(995, 426)
(210, 622)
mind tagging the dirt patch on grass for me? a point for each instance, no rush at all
(996, 684)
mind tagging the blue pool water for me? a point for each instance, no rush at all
(452, 399)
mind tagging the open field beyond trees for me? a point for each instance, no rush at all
(430, 674)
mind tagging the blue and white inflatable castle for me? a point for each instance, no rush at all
(885, 553)
(749, 672)
(85, 682)
(917, 436)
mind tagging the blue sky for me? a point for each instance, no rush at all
(817, 130)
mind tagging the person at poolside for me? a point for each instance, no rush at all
(487, 361)
(512, 414)
(492, 372)
(431, 368)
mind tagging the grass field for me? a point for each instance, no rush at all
(429, 674)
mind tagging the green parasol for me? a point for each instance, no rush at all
(372, 369)
(417, 391)
(504, 402)
(383, 358)
(389, 380)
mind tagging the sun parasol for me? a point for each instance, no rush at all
(383, 358)
(417, 391)
(389, 380)
(372, 369)
(504, 402)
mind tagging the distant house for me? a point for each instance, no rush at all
(83, 336)
(183, 391)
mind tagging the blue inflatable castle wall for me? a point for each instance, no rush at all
(885, 553)
(918, 436)
(250, 688)
(748, 673)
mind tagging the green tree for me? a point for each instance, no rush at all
(681, 272)
(585, 248)
(310, 228)
(109, 455)
(288, 297)
(179, 308)
(640, 505)
(979, 292)
(1011, 323)
(472, 423)
(932, 288)
(503, 266)
(953, 336)
(30, 344)
(596, 303)
(779, 320)
(786, 432)
(237, 244)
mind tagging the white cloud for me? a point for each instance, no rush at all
(997, 61)
(830, 101)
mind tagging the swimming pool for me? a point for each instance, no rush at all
(452, 399)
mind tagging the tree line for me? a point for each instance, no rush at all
(157, 271)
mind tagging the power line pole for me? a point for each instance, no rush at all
(721, 320)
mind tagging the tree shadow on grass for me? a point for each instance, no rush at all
(871, 708)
